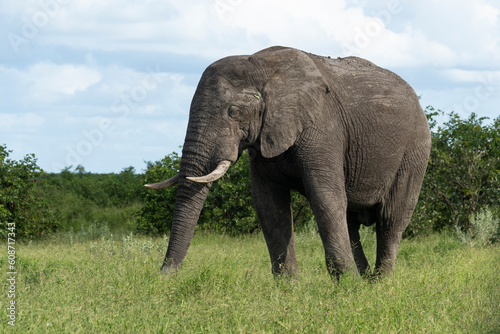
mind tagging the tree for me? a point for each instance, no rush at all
(20, 205)
(157, 213)
(229, 205)
(463, 173)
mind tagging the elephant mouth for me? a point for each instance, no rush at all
(216, 174)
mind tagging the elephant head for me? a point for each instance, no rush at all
(263, 102)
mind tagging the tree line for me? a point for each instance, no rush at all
(462, 179)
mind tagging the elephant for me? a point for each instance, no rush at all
(348, 135)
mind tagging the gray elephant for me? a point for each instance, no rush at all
(348, 135)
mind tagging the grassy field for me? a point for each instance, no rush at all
(112, 284)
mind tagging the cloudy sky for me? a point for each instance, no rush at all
(108, 84)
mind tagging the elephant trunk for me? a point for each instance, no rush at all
(188, 205)
(197, 161)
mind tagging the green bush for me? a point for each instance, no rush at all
(462, 176)
(84, 198)
(229, 206)
(484, 229)
(22, 210)
(104, 190)
(155, 217)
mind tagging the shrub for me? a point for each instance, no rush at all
(483, 231)
(20, 205)
(85, 198)
(155, 217)
(462, 176)
(229, 205)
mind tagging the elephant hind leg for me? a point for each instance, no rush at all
(396, 210)
(357, 249)
(330, 214)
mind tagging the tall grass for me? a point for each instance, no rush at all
(112, 284)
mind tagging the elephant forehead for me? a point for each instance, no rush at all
(227, 90)
(234, 68)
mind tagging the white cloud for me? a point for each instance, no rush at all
(432, 33)
(17, 122)
(47, 78)
(423, 33)
(469, 28)
(470, 76)
(49, 82)
(315, 25)
(90, 55)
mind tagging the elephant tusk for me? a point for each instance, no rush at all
(164, 184)
(215, 175)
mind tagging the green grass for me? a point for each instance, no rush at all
(112, 284)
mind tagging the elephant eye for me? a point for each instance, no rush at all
(234, 112)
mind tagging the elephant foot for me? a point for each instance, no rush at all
(168, 270)
(286, 272)
(384, 271)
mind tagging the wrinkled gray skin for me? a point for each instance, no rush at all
(348, 135)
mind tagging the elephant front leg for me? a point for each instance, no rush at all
(273, 205)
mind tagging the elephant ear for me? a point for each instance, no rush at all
(294, 94)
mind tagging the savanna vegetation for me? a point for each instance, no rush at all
(73, 283)
(462, 181)
(89, 247)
